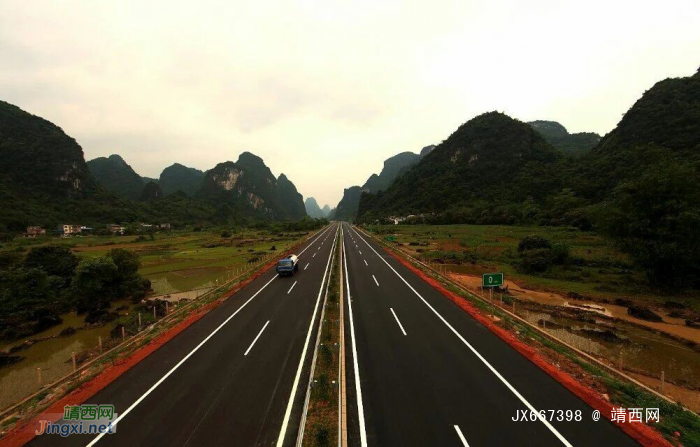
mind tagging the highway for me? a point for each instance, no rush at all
(422, 372)
(236, 377)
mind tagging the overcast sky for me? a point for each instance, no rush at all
(324, 91)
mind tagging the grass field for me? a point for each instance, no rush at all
(596, 268)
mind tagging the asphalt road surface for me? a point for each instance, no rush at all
(236, 377)
(422, 372)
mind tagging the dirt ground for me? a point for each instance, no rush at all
(673, 326)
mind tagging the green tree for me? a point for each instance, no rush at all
(128, 282)
(55, 260)
(127, 262)
(93, 284)
(655, 217)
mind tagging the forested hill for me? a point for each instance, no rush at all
(667, 115)
(37, 157)
(115, 175)
(663, 125)
(490, 160)
(43, 174)
(573, 144)
(249, 187)
(393, 167)
(177, 177)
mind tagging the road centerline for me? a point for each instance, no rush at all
(375, 280)
(256, 338)
(290, 289)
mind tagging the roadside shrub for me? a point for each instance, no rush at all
(560, 253)
(323, 386)
(536, 260)
(533, 242)
(226, 234)
(538, 254)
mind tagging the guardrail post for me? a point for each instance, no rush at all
(139, 321)
(38, 375)
(662, 382)
(123, 333)
(154, 311)
(75, 366)
(99, 341)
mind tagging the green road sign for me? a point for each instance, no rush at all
(492, 280)
(390, 238)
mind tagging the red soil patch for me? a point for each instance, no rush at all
(640, 432)
(24, 432)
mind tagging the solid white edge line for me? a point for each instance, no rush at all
(397, 320)
(375, 280)
(461, 436)
(290, 404)
(479, 356)
(358, 388)
(184, 359)
(256, 339)
(290, 289)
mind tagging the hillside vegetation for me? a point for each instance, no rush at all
(573, 144)
(640, 185)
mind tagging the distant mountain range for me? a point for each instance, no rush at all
(393, 167)
(44, 180)
(248, 186)
(313, 210)
(495, 169)
(489, 159)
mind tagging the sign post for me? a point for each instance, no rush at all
(491, 280)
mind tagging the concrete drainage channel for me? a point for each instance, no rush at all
(34, 403)
(323, 416)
